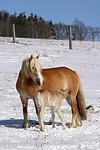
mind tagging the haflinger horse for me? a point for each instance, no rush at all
(32, 79)
(53, 100)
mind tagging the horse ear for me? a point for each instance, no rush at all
(31, 58)
(38, 56)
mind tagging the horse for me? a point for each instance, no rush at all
(32, 79)
(50, 99)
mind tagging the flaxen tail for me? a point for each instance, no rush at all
(81, 103)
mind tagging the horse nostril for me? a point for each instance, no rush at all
(37, 80)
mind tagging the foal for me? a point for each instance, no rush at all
(50, 99)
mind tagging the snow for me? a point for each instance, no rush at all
(85, 59)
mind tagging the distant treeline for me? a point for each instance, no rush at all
(34, 26)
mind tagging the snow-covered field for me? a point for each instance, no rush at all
(85, 59)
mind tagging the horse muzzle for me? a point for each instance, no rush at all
(38, 81)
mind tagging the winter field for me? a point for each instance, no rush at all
(85, 59)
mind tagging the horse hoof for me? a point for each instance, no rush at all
(42, 130)
(74, 125)
(53, 126)
(64, 128)
(25, 126)
(79, 124)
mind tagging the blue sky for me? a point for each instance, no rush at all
(65, 11)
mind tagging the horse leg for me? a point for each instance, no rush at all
(76, 121)
(52, 117)
(40, 117)
(38, 109)
(36, 106)
(40, 106)
(79, 122)
(25, 104)
(58, 108)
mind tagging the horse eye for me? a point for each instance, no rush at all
(32, 67)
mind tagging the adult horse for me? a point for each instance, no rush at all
(32, 78)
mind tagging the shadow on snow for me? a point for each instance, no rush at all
(16, 123)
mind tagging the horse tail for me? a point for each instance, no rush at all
(81, 103)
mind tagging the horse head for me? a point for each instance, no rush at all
(32, 68)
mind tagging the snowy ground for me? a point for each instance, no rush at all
(85, 59)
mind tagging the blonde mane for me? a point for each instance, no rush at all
(25, 68)
(31, 68)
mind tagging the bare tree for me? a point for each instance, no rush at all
(79, 30)
(98, 33)
(93, 33)
(61, 31)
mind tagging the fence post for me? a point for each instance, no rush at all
(13, 33)
(70, 37)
